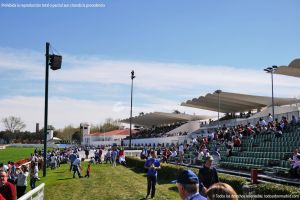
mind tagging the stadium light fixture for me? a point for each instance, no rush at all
(219, 104)
(55, 62)
(130, 119)
(271, 70)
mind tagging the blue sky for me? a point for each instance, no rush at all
(179, 50)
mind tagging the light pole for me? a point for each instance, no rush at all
(132, 77)
(271, 70)
(218, 92)
(55, 62)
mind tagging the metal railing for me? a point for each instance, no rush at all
(35, 194)
(133, 153)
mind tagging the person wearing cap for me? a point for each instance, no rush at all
(207, 175)
(188, 186)
(152, 165)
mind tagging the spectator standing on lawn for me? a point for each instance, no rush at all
(114, 155)
(7, 189)
(122, 160)
(207, 175)
(108, 156)
(188, 186)
(88, 170)
(77, 167)
(152, 165)
(72, 158)
(22, 180)
(87, 152)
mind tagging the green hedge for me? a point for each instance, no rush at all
(169, 172)
(234, 181)
(272, 188)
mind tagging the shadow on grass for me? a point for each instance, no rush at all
(160, 180)
(58, 172)
(173, 188)
(62, 179)
(137, 170)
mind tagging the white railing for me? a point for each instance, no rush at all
(35, 194)
(133, 153)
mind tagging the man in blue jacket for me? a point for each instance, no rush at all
(152, 165)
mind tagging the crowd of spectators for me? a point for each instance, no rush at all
(14, 176)
(231, 137)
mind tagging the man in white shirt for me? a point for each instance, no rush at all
(262, 122)
(269, 119)
(53, 159)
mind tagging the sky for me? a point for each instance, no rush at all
(179, 50)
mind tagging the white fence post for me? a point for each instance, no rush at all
(37, 193)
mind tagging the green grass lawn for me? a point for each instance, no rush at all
(15, 153)
(105, 183)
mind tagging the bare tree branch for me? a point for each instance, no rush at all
(13, 124)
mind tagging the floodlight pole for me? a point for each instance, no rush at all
(46, 109)
(273, 111)
(219, 104)
(271, 70)
(130, 122)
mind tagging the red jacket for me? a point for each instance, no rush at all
(8, 191)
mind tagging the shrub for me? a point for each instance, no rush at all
(169, 172)
(234, 181)
(277, 189)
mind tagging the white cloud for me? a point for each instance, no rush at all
(62, 111)
(182, 81)
(150, 75)
(65, 111)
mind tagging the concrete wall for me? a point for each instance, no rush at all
(187, 127)
(165, 140)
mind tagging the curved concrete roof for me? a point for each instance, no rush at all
(234, 102)
(293, 69)
(161, 118)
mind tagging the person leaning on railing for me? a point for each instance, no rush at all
(22, 174)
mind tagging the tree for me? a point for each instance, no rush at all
(13, 124)
(67, 132)
(77, 136)
(141, 113)
(110, 125)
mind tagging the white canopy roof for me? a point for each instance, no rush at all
(293, 69)
(234, 102)
(55, 139)
(161, 118)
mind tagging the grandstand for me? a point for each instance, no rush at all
(172, 128)
(263, 150)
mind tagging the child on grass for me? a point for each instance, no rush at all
(88, 170)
